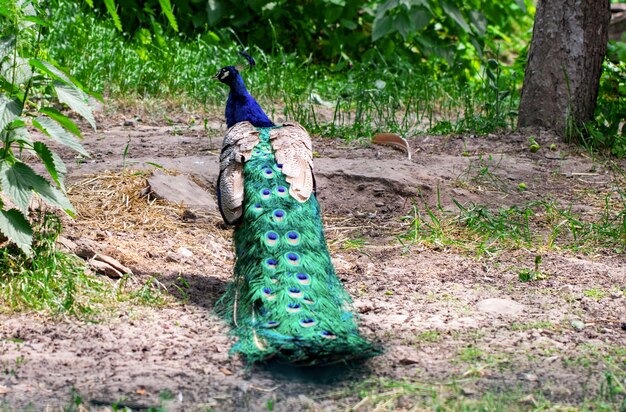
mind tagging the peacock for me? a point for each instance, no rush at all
(285, 302)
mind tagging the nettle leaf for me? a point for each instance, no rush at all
(76, 99)
(10, 109)
(214, 11)
(479, 21)
(7, 44)
(90, 2)
(16, 70)
(402, 23)
(47, 157)
(13, 186)
(341, 3)
(384, 7)
(382, 27)
(51, 71)
(455, 14)
(166, 8)
(422, 3)
(58, 133)
(16, 227)
(419, 19)
(62, 119)
(19, 181)
(20, 133)
(521, 5)
(110, 5)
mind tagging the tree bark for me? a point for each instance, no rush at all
(564, 64)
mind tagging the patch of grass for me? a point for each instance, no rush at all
(150, 293)
(471, 354)
(480, 174)
(429, 336)
(539, 225)
(51, 280)
(541, 324)
(605, 389)
(353, 244)
(596, 293)
(390, 395)
(58, 282)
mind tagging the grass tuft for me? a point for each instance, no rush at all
(52, 280)
(57, 282)
(539, 225)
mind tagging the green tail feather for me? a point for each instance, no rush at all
(286, 301)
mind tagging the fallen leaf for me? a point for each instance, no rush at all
(225, 371)
(140, 391)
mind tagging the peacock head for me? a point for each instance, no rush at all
(227, 75)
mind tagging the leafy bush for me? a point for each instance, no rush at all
(32, 90)
(335, 30)
(607, 130)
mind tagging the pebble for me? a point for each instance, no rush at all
(184, 252)
(577, 324)
(500, 306)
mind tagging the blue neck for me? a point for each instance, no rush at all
(242, 107)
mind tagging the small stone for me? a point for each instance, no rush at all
(616, 294)
(407, 355)
(500, 306)
(530, 377)
(577, 324)
(468, 391)
(528, 401)
(225, 371)
(184, 252)
(105, 269)
(180, 189)
(130, 123)
(379, 204)
(113, 263)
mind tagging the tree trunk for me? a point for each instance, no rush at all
(564, 64)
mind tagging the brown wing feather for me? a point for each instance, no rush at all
(236, 149)
(293, 149)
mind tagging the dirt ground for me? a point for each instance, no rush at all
(429, 306)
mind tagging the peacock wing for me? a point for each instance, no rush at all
(236, 150)
(293, 149)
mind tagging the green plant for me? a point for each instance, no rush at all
(607, 130)
(49, 280)
(340, 31)
(533, 146)
(538, 224)
(526, 275)
(32, 90)
(595, 293)
(481, 172)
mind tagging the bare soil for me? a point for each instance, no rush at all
(421, 302)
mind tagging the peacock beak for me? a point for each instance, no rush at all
(216, 77)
